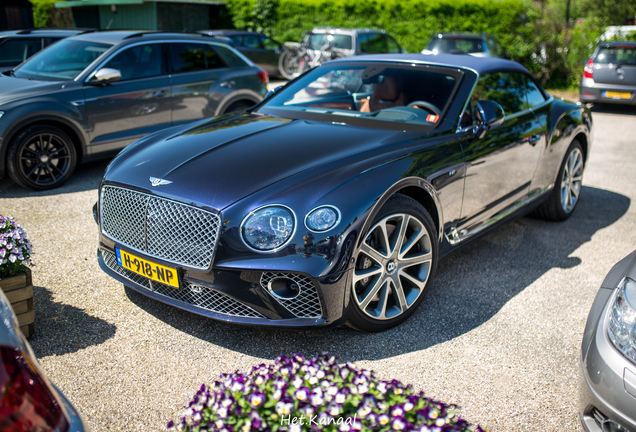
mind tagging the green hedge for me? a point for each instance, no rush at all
(412, 22)
(531, 32)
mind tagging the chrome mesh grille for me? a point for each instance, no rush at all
(190, 293)
(166, 229)
(124, 216)
(307, 304)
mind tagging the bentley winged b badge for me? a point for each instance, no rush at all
(159, 182)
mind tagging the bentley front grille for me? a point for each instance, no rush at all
(169, 230)
(306, 304)
(190, 293)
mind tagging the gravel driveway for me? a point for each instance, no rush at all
(499, 334)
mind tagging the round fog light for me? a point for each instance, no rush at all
(322, 218)
(283, 288)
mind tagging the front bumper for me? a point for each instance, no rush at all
(591, 92)
(607, 384)
(241, 296)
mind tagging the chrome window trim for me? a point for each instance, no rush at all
(279, 248)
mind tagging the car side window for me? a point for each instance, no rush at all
(48, 41)
(252, 41)
(505, 88)
(229, 57)
(192, 57)
(392, 45)
(373, 43)
(535, 96)
(236, 39)
(15, 51)
(141, 61)
(493, 46)
(269, 44)
(212, 59)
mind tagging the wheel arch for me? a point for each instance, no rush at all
(67, 127)
(243, 95)
(582, 139)
(418, 189)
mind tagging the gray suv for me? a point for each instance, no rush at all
(88, 96)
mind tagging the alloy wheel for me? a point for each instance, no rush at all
(393, 266)
(45, 159)
(572, 180)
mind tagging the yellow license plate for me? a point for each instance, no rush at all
(618, 95)
(149, 269)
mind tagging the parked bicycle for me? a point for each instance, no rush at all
(297, 57)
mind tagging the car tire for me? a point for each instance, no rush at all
(290, 63)
(238, 107)
(567, 190)
(393, 272)
(41, 157)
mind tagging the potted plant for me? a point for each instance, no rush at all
(295, 394)
(15, 275)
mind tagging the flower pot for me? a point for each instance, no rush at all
(19, 291)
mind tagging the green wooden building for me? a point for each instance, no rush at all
(170, 15)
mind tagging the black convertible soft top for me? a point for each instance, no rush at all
(481, 65)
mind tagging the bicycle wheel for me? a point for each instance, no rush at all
(291, 63)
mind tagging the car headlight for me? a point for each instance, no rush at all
(268, 228)
(622, 321)
(322, 218)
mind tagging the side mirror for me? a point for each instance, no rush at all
(489, 115)
(105, 76)
(271, 92)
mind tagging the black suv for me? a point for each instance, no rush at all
(88, 96)
(18, 45)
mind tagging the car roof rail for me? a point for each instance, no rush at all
(158, 32)
(81, 29)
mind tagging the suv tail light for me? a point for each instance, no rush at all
(263, 76)
(26, 402)
(588, 72)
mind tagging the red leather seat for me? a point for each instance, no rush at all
(386, 94)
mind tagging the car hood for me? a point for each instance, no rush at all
(224, 160)
(12, 88)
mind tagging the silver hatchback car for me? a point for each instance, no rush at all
(607, 388)
(610, 74)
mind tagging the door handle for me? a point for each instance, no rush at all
(160, 93)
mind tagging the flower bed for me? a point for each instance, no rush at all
(15, 276)
(300, 395)
(15, 248)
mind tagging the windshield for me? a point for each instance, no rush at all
(319, 40)
(375, 95)
(62, 61)
(619, 54)
(456, 45)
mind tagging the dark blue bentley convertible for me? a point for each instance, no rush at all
(334, 199)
